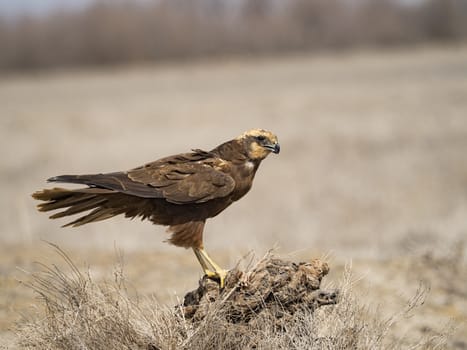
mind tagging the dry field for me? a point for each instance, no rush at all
(372, 172)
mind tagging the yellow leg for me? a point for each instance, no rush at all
(205, 261)
(203, 264)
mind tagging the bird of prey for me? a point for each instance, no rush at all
(179, 191)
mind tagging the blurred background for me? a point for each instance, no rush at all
(57, 33)
(368, 99)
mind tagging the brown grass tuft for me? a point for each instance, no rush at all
(82, 314)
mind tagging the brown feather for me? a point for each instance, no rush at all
(80, 206)
(98, 214)
(187, 235)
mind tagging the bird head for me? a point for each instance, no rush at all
(259, 143)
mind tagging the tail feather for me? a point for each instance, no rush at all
(79, 207)
(59, 198)
(98, 214)
(78, 201)
(51, 194)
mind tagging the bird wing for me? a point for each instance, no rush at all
(185, 182)
(181, 179)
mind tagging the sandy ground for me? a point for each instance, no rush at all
(372, 170)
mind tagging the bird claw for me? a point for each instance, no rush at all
(218, 276)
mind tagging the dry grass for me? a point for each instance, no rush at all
(83, 314)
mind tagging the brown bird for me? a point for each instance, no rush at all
(179, 191)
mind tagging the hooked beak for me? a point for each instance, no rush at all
(275, 148)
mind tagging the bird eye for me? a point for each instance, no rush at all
(260, 138)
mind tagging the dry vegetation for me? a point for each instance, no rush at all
(110, 32)
(261, 308)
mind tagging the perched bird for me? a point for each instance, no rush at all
(179, 191)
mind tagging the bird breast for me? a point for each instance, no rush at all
(249, 166)
(243, 179)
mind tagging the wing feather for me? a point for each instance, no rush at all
(185, 178)
(181, 183)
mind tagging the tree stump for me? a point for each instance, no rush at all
(274, 288)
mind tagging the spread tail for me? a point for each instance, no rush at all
(98, 200)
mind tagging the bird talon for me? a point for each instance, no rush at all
(218, 276)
